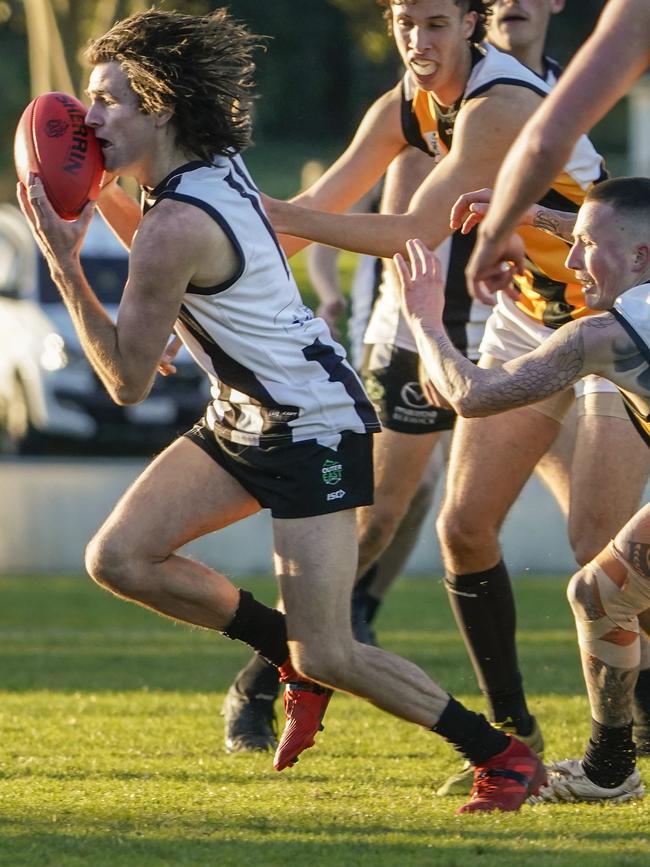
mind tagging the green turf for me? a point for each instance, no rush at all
(112, 748)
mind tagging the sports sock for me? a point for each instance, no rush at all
(365, 602)
(262, 628)
(610, 756)
(364, 581)
(373, 604)
(258, 679)
(484, 608)
(470, 733)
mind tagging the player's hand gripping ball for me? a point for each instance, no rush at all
(53, 141)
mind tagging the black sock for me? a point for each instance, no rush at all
(470, 733)
(262, 628)
(610, 756)
(484, 608)
(642, 701)
(364, 581)
(373, 604)
(258, 679)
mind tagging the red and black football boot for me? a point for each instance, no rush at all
(305, 703)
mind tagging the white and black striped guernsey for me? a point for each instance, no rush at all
(277, 376)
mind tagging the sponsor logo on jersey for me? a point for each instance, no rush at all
(335, 495)
(332, 472)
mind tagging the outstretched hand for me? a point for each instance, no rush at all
(491, 266)
(469, 209)
(423, 289)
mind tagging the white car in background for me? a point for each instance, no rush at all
(48, 391)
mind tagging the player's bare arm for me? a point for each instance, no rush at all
(168, 252)
(599, 75)
(596, 344)
(471, 208)
(376, 142)
(493, 121)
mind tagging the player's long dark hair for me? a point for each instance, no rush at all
(482, 7)
(199, 66)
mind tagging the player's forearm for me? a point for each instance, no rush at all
(557, 223)
(125, 383)
(520, 182)
(120, 211)
(375, 234)
(475, 392)
(451, 373)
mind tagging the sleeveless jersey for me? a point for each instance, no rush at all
(632, 310)
(547, 291)
(277, 375)
(464, 317)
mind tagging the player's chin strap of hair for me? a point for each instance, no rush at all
(606, 597)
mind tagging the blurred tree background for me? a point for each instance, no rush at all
(326, 60)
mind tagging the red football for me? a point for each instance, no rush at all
(53, 141)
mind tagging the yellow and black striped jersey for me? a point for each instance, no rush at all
(548, 292)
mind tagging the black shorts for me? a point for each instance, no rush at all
(391, 378)
(296, 480)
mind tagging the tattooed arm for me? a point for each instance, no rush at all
(470, 209)
(557, 223)
(590, 345)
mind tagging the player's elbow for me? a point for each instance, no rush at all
(126, 393)
(543, 144)
(469, 405)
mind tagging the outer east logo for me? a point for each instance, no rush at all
(332, 472)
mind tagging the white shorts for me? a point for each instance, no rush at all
(510, 333)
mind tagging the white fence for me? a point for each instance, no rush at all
(49, 510)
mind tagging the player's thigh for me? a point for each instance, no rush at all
(609, 472)
(401, 461)
(315, 562)
(554, 467)
(182, 495)
(491, 459)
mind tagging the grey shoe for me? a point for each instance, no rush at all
(567, 781)
(249, 723)
(462, 781)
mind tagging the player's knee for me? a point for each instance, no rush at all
(460, 534)
(578, 593)
(108, 563)
(605, 601)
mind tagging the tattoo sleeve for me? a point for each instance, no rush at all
(473, 391)
(557, 223)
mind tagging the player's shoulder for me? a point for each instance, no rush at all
(496, 74)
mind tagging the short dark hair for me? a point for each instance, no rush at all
(201, 67)
(627, 195)
(482, 7)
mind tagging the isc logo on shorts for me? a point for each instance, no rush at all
(335, 495)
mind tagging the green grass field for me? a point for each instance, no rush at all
(112, 747)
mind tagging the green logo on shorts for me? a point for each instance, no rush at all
(332, 472)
